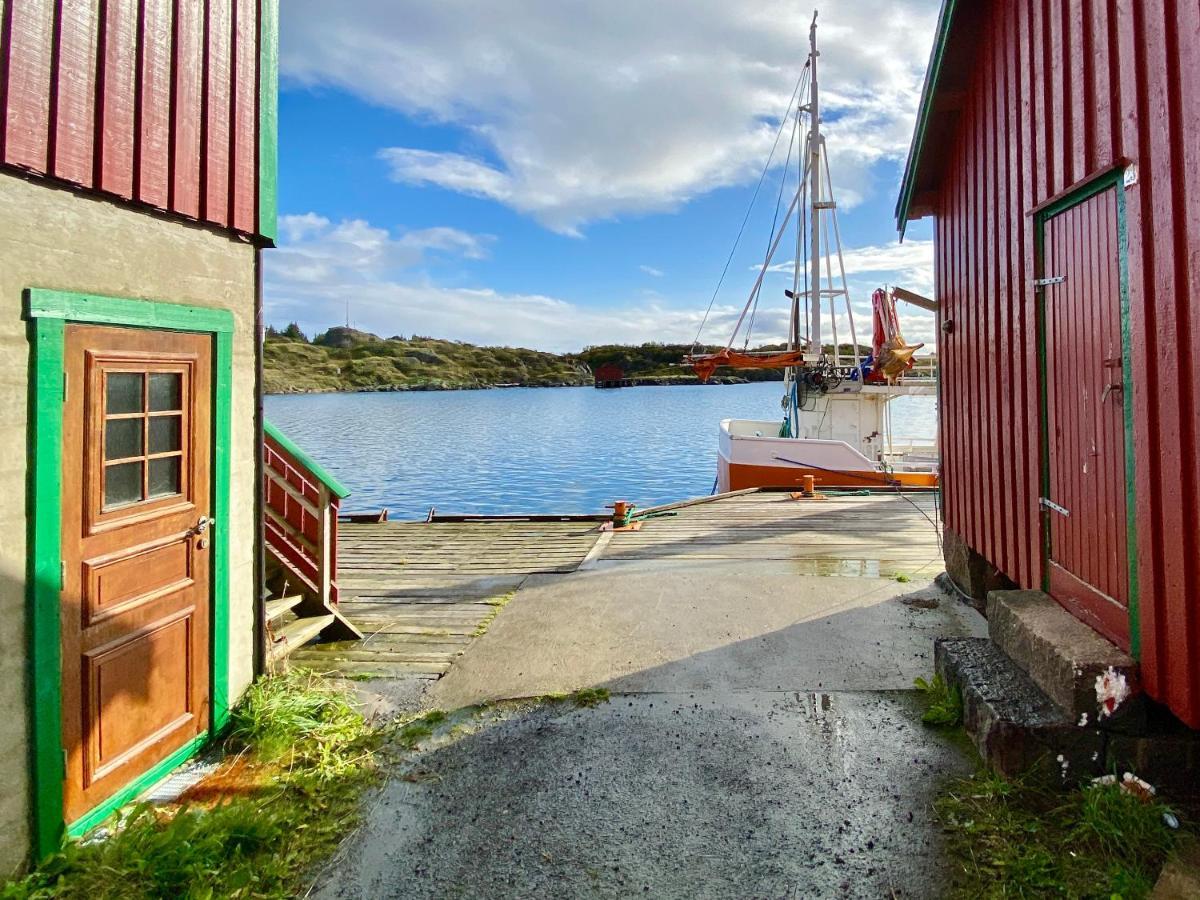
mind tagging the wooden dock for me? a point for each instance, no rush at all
(420, 593)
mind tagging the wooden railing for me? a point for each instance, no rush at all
(301, 503)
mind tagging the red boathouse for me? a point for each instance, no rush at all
(1057, 150)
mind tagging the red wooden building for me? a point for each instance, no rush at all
(1058, 151)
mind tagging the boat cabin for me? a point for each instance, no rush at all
(1055, 151)
(137, 182)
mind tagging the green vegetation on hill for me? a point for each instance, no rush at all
(344, 359)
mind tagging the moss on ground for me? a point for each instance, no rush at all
(1016, 838)
(300, 757)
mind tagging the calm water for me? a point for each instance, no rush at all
(531, 450)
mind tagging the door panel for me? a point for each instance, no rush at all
(1085, 416)
(135, 601)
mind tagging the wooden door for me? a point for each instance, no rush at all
(1085, 504)
(135, 602)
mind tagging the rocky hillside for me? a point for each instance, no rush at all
(343, 359)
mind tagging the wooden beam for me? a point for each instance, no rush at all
(915, 299)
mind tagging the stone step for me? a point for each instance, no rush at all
(1014, 725)
(1060, 653)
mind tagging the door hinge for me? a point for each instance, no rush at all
(1049, 504)
(64, 387)
(1053, 279)
(62, 575)
(64, 762)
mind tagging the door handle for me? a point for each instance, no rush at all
(1111, 389)
(200, 529)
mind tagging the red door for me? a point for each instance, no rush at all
(1085, 503)
(135, 601)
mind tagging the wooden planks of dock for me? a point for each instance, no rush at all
(421, 592)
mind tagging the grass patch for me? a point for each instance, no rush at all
(586, 698)
(903, 579)
(944, 703)
(301, 756)
(496, 604)
(1018, 839)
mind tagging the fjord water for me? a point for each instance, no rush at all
(532, 450)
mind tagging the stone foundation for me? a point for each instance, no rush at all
(971, 573)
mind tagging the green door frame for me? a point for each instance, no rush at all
(48, 313)
(1111, 178)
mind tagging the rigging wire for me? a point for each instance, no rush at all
(750, 208)
(774, 223)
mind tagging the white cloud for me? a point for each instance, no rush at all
(451, 240)
(909, 265)
(317, 252)
(652, 272)
(573, 112)
(322, 265)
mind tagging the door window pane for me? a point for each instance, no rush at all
(165, 433)
(123, 484)
(123, 393)
(122, 438)
(164, 476)
(165, 391)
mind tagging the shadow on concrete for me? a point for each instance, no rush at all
(650, 632)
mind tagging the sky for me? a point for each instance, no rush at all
(556, 174)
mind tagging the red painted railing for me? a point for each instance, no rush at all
(301, 514)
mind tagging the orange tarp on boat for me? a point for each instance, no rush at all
(709, 363)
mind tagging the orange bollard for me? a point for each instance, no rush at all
(810, 487)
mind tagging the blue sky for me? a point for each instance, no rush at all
(558, 175)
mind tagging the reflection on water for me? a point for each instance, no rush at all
(531, 450)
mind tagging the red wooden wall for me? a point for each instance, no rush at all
(1062, 89)
(151, 101)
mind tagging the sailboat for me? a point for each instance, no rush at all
(836, 425)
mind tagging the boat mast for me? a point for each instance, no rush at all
(814, 191)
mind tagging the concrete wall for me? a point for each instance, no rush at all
(52, 238)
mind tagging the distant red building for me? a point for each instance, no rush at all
(610, 375)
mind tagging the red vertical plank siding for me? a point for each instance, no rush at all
(154, 103)
(1187, 298)
(30, 51)
(187, 107)
(244, 151)
(218, 111)
(75, 92)
(1062, 89)
(116, 113)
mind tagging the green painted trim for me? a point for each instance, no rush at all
(335, 487)
(48, 312)
(101, 310)
(268, 118)
(1131, 535)
(924, 114)
(1043, 398)
(44, 556)
(221, 477)
(1084, 191)
(1113, 179)
(136, 787)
